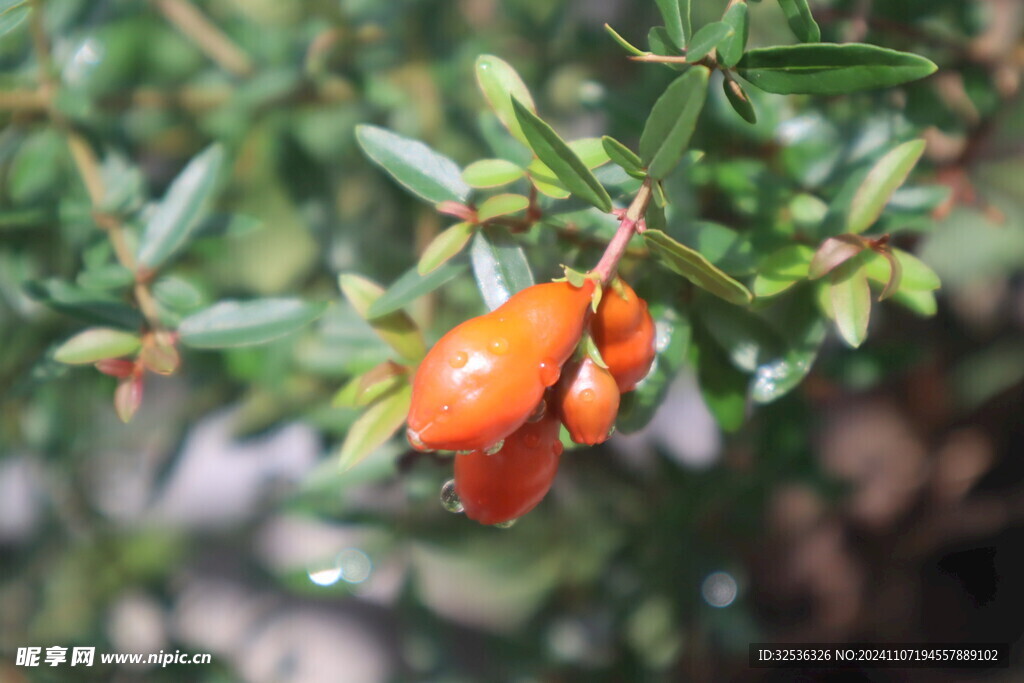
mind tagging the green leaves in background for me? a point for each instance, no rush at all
(499, 266)
(96, 344)
(488, 173)
(500, 84)
(424, 172)
(639, 406)
(731, 48)
(672, 121)
(12, 13)
(828, 69)
(375, 426)
(244, 323)
(833, 252)
(722, 386)
(397, 329)
(676, 15)
(447, 244)
(181, 209)
(850, 301)
(622, 42)
(885, 177)
(501, 205)
(692, 265)
(563, 162)
(782, 269)
(709, 37)
(798, 15)
(411, 286)
(738, 99)
(91, 306)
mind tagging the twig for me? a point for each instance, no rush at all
(606, 267)
(207, 36)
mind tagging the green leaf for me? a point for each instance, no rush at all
(12, 13)
(500, 84)
(695, 268)
(781, 269)
(722, 386)
(96, 344)
(803, 332)
(834, 252)
(850, 300)
(410, 287)
(375, 426)
(560, 158)
(746, 339)
(424, 172)
(661, 43)
(828, 69)
(590, 151)
(501, 205)
(885, 177)
(181, 209)
(397, 329)
(672, 121)
(488, 173)
(798, 15)
(919, 301)
(917, 275)
(245, 323)
(739, 100)
(622, 155)
(178, 294)
(730, 50)
(447, 244)
(499, 266)
(368, 387)
(623, 43)
(677, 27)
(91, 306)
(707, 39)
(543, 178)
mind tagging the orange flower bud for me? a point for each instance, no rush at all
(624, 333)
(588, 400)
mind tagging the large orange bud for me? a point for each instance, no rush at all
(484, 377)
(588, 401)
(509, 483)
(625, 334)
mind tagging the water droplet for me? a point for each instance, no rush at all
(663, 335)
(459, 360)
(414, 440)
(506, 524)
(549, 372)
(494, 447)
(611, 430)
(538, 412)
(557, 448)
(531, 440)
(499, 346)
(444, 413)
(449, 498)
(587, 395)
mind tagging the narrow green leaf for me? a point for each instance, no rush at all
(746, 339)
(655, 217)
(738, 99)
(245, 323)
(695, 268)
(590, 151)
(671, 14)
(919, 301)
(488, 173)
(501, 205)
(709, 37)
(798, 15)
(424, 172)
(885, 177)
(623, 43)
(543, 178)
(722, 386)
(672, 121)
(850, 298)
(833, 252)
(409, 287)
(500, 84)
(917, 275)
(181, 209)
(397, 329)
(90, 306)
(782, 269)
(366, 388)
(661, 43)
(560, 158)
(803, 332)
(730, 50)
(830, 69)
(447, 244)
(374, 427)
(622, 155)
(96, 344)
(12, 14)
(499, 266)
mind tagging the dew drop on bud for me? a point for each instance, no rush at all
(414, 440)
(449, 498)
(506, 524)
(557, 448)
(459, 360)
(549, 372)
(499, 346)
(494, 447)
(444, 413)
(538, 412)
(587, 395)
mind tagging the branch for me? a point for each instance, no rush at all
(609, 262)
(207, 36)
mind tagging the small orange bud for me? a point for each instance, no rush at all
(588, 400)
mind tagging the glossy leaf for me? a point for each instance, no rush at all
(850, 298)
(409, 287)
(722, 386)
(499, 266)
(709, 37)
(560, 158)
(501, 205)
(447, 244)
(803, 330)
(672, 121)
(177, 215)
(917, 275)
(245, 323)
(374, 427)
(488, 173)
(782, 269)
(798, 15)
(424, 172)
(694, 267)
(830, 69)
(500, 84)
(397, 329)
(746, 339)
(96, 344)
(622, 155)
(731, 48)
(834, 252)
(739, 100)
(885, 177)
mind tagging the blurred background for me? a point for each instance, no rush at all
(883, 500)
